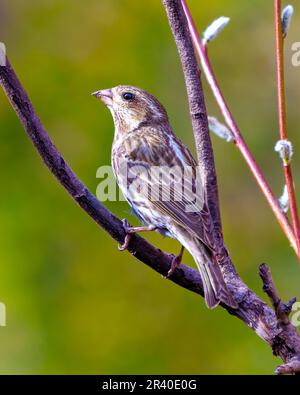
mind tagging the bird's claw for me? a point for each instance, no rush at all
(176, 260)
(128, 236)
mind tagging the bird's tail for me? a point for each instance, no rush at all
(215, 288)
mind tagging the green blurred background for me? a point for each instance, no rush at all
(75, 304)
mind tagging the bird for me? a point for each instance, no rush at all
(143, 142)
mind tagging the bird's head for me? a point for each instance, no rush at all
(132, 107)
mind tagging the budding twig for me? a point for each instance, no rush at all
(285, 147)
(239, 140)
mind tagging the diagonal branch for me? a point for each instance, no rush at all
(140, 248)
(252, 310)
(239, 140)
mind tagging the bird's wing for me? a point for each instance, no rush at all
(157, 154)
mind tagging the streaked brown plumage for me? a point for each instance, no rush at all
(144, 139)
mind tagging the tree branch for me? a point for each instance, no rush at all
(197, 107)
(252, 311)
(239, 140)
(282, 310)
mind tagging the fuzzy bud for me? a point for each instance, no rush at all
(286, 18)
(285, 150)
(219, 129)
(214, 29)
(284, 200)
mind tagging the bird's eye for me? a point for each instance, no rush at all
(128, 96)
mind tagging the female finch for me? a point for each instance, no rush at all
(145, 153)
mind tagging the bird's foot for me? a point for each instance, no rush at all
(130, 231)
(176, 260)
(128, 235)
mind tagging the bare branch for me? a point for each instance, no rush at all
(197, 107)
(282, 310)
(284, 325)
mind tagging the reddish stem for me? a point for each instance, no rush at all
(293, 205)
(239, 140)
(283, 124)
(280, 71)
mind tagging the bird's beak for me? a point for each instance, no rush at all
(104, 95)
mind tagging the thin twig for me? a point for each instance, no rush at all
(287, 168)
(282, 312)
(239, 140)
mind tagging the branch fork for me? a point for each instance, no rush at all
(282, 310)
